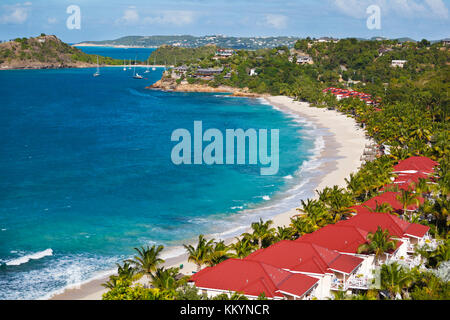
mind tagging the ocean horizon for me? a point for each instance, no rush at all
(87, 176)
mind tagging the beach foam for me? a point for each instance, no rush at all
(32, 256)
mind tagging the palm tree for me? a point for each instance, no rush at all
(316, 212)
(378, 243)
(383, 207)
(199, 254)
(284, 233)
(165, 279)
(303, 225)
(262, 231)
(407, 198)
(394, 278)
(354, 184)
(242, 247)
(147, 259)
(219, 253)
(422, 187)
(126, 271)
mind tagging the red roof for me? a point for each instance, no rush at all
(342, 238)
(422, 164)
(303, 256)
(411, 177)
(371, 222)
(416, 230)
(360, 209)
(253, 278)
(390, 198)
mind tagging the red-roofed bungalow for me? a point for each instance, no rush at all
(313, 260)
(253, 278)
(416, 164)
(391, 199)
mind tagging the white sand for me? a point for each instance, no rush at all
(347, 144)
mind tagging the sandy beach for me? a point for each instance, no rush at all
(345, 144)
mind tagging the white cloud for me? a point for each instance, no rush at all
(277, 21)
(352, 8)
(438, 7)
(52, 20)
(406, 8)
(15, 14)
(171, 17)
(168, 17)
(130, 17)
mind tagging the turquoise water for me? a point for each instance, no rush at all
(141, 54)
(86, 175)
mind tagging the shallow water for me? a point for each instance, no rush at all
(86, 174)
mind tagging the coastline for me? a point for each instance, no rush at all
(344, 146)
(109, 46)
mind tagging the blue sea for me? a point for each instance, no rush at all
(140, 54)
(86, 173)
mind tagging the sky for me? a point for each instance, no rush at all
(106, 20)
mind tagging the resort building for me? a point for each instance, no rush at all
(416, 164)
(409, 235)
(252, 72)
(346, 239)
(328, 260)
(304, 60)
(207, 73)
(344, 93)
(181, 69)
(224, 53)
(398, 63)
(252, 278)
(384, 50)
(332, 269)
(390, 198)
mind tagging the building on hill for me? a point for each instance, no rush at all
(326, 39)
(224, 53)
(182, 69)
(398, 63)
(304, 60)
(207, 73)
(382, 51)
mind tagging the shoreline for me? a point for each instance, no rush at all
(85, 67)
(343, 147)
(83, 44)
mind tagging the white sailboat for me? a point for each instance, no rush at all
(97, 73)
(154, 63)
(135, 74)
(124, 67)
(148, 67)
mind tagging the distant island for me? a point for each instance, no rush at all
(46, 52)
(187, 41)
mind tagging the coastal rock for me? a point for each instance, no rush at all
(167, 84)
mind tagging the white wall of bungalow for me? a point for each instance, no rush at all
(212, 293)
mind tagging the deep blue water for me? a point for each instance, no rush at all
(85, 171)
(141, 54)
